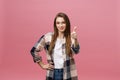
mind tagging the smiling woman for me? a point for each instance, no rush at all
(61, 25)
(60, 46)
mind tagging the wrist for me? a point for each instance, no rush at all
(41, 64)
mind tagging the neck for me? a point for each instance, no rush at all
(60, 35)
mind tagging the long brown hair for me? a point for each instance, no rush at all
(67, 34)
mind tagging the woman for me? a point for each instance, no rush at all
(60, 46)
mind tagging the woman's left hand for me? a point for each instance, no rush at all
(74, 34)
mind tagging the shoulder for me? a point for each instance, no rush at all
(48, 36)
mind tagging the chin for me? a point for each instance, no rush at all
(62, 31)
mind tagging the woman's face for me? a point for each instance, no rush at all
(60, 24)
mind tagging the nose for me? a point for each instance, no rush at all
(61, 24)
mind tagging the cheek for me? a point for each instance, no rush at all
(64, 26)
(57, 26)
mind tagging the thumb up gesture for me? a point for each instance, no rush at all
(73, 33)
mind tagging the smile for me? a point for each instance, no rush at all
(61, 28)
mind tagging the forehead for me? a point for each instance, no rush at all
(60, 19)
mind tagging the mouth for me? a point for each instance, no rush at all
(62, 28)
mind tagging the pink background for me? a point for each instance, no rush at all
(22, 22)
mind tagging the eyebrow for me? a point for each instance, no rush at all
(59, 21)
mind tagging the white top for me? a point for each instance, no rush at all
(58, 55)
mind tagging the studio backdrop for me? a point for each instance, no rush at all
(22, 22)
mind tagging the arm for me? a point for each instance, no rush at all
(35, 54)
(75, 46)
(37, 48)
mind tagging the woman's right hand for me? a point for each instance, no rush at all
(48, 66)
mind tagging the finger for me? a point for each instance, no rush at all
(74, 29)
(51, 63)
(50, 67)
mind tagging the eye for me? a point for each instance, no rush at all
(63, 22)
(57, 22)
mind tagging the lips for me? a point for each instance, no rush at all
(61, 28)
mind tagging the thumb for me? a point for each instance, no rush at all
(74, 29)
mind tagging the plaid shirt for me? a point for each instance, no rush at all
(70, 72)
